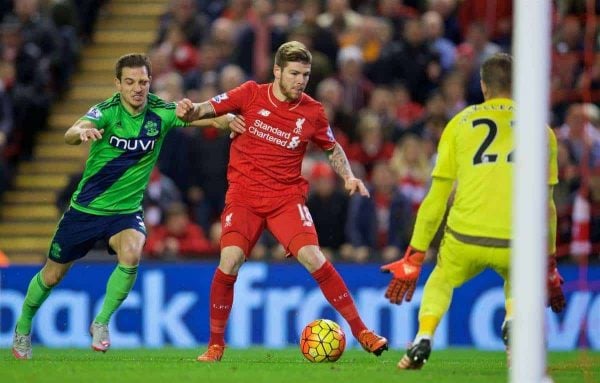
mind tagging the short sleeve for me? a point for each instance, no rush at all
(323, 136)
(445, 165)
(97, 116)
(552, 157)
(173, 120)
(235, 100)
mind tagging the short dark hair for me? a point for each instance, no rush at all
(292, 51)
(496, 72)
(132, 60)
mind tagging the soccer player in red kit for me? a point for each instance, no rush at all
(266, 188)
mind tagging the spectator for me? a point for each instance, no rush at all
(381, 222)
(258, 40)
(183, 13)
(177, 237)
(407, 111)
(433, 26)
(412, 168)
(330, 94)
(324, 40)
(160, 194)
(356, 87)
(329, 208)
(182, 54)
(580, 136)
(339, 17)
(371, 146)
(230, 77)
(478, 37)
(209, 66)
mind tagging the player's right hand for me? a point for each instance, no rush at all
(90, 134)
(556, 297)
(185, 110)
(405, 275)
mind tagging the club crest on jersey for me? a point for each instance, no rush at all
(228, 219)
(220, 97)
(299, 122)
(264, 112)
(151, 128)
(94, 113)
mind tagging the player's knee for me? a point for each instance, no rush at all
(310, 257)
(232, 258)
(51, 276)
(130, 253)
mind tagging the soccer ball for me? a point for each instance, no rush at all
(322, 340)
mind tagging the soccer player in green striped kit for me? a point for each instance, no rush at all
(126, 133)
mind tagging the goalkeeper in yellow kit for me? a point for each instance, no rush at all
(475, 154)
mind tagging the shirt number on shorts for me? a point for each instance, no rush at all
(305, 216)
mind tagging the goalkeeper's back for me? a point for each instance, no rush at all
(476, 150)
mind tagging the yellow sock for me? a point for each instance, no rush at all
(427, 326)
(437, 295)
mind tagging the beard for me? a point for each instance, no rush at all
(288, 92)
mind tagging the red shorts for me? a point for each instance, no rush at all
(287, 218)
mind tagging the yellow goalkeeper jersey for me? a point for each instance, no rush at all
(476, 150)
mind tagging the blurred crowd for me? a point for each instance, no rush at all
(389, 73)
(40, 45)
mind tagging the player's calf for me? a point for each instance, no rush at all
(416, 355)
(100, 337)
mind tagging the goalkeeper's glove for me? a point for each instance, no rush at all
(556, 297)
(406, 272)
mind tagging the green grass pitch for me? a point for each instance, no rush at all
(258, 365)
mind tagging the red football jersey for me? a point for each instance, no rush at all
(266, 160)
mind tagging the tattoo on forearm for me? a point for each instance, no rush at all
(205, 110)
(339, 162)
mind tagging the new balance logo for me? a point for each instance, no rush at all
(264, 112)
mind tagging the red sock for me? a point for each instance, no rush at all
(221, 299)
(333, 287)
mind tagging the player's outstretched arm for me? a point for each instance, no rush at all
(82, 131)
(431, 212)
(341, 165)
(405, 272)
(229, 121)
(188, 111)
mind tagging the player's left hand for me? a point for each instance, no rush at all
(185, 110)
(405, 275)
(237, 124)
(353, 184)
(556, 297)
(230, 121)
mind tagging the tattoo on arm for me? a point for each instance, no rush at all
(204, 110)
(339, 162)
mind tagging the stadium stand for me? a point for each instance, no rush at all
(389, 73)
(28, 212)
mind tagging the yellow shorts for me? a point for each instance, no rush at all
(461, 261)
